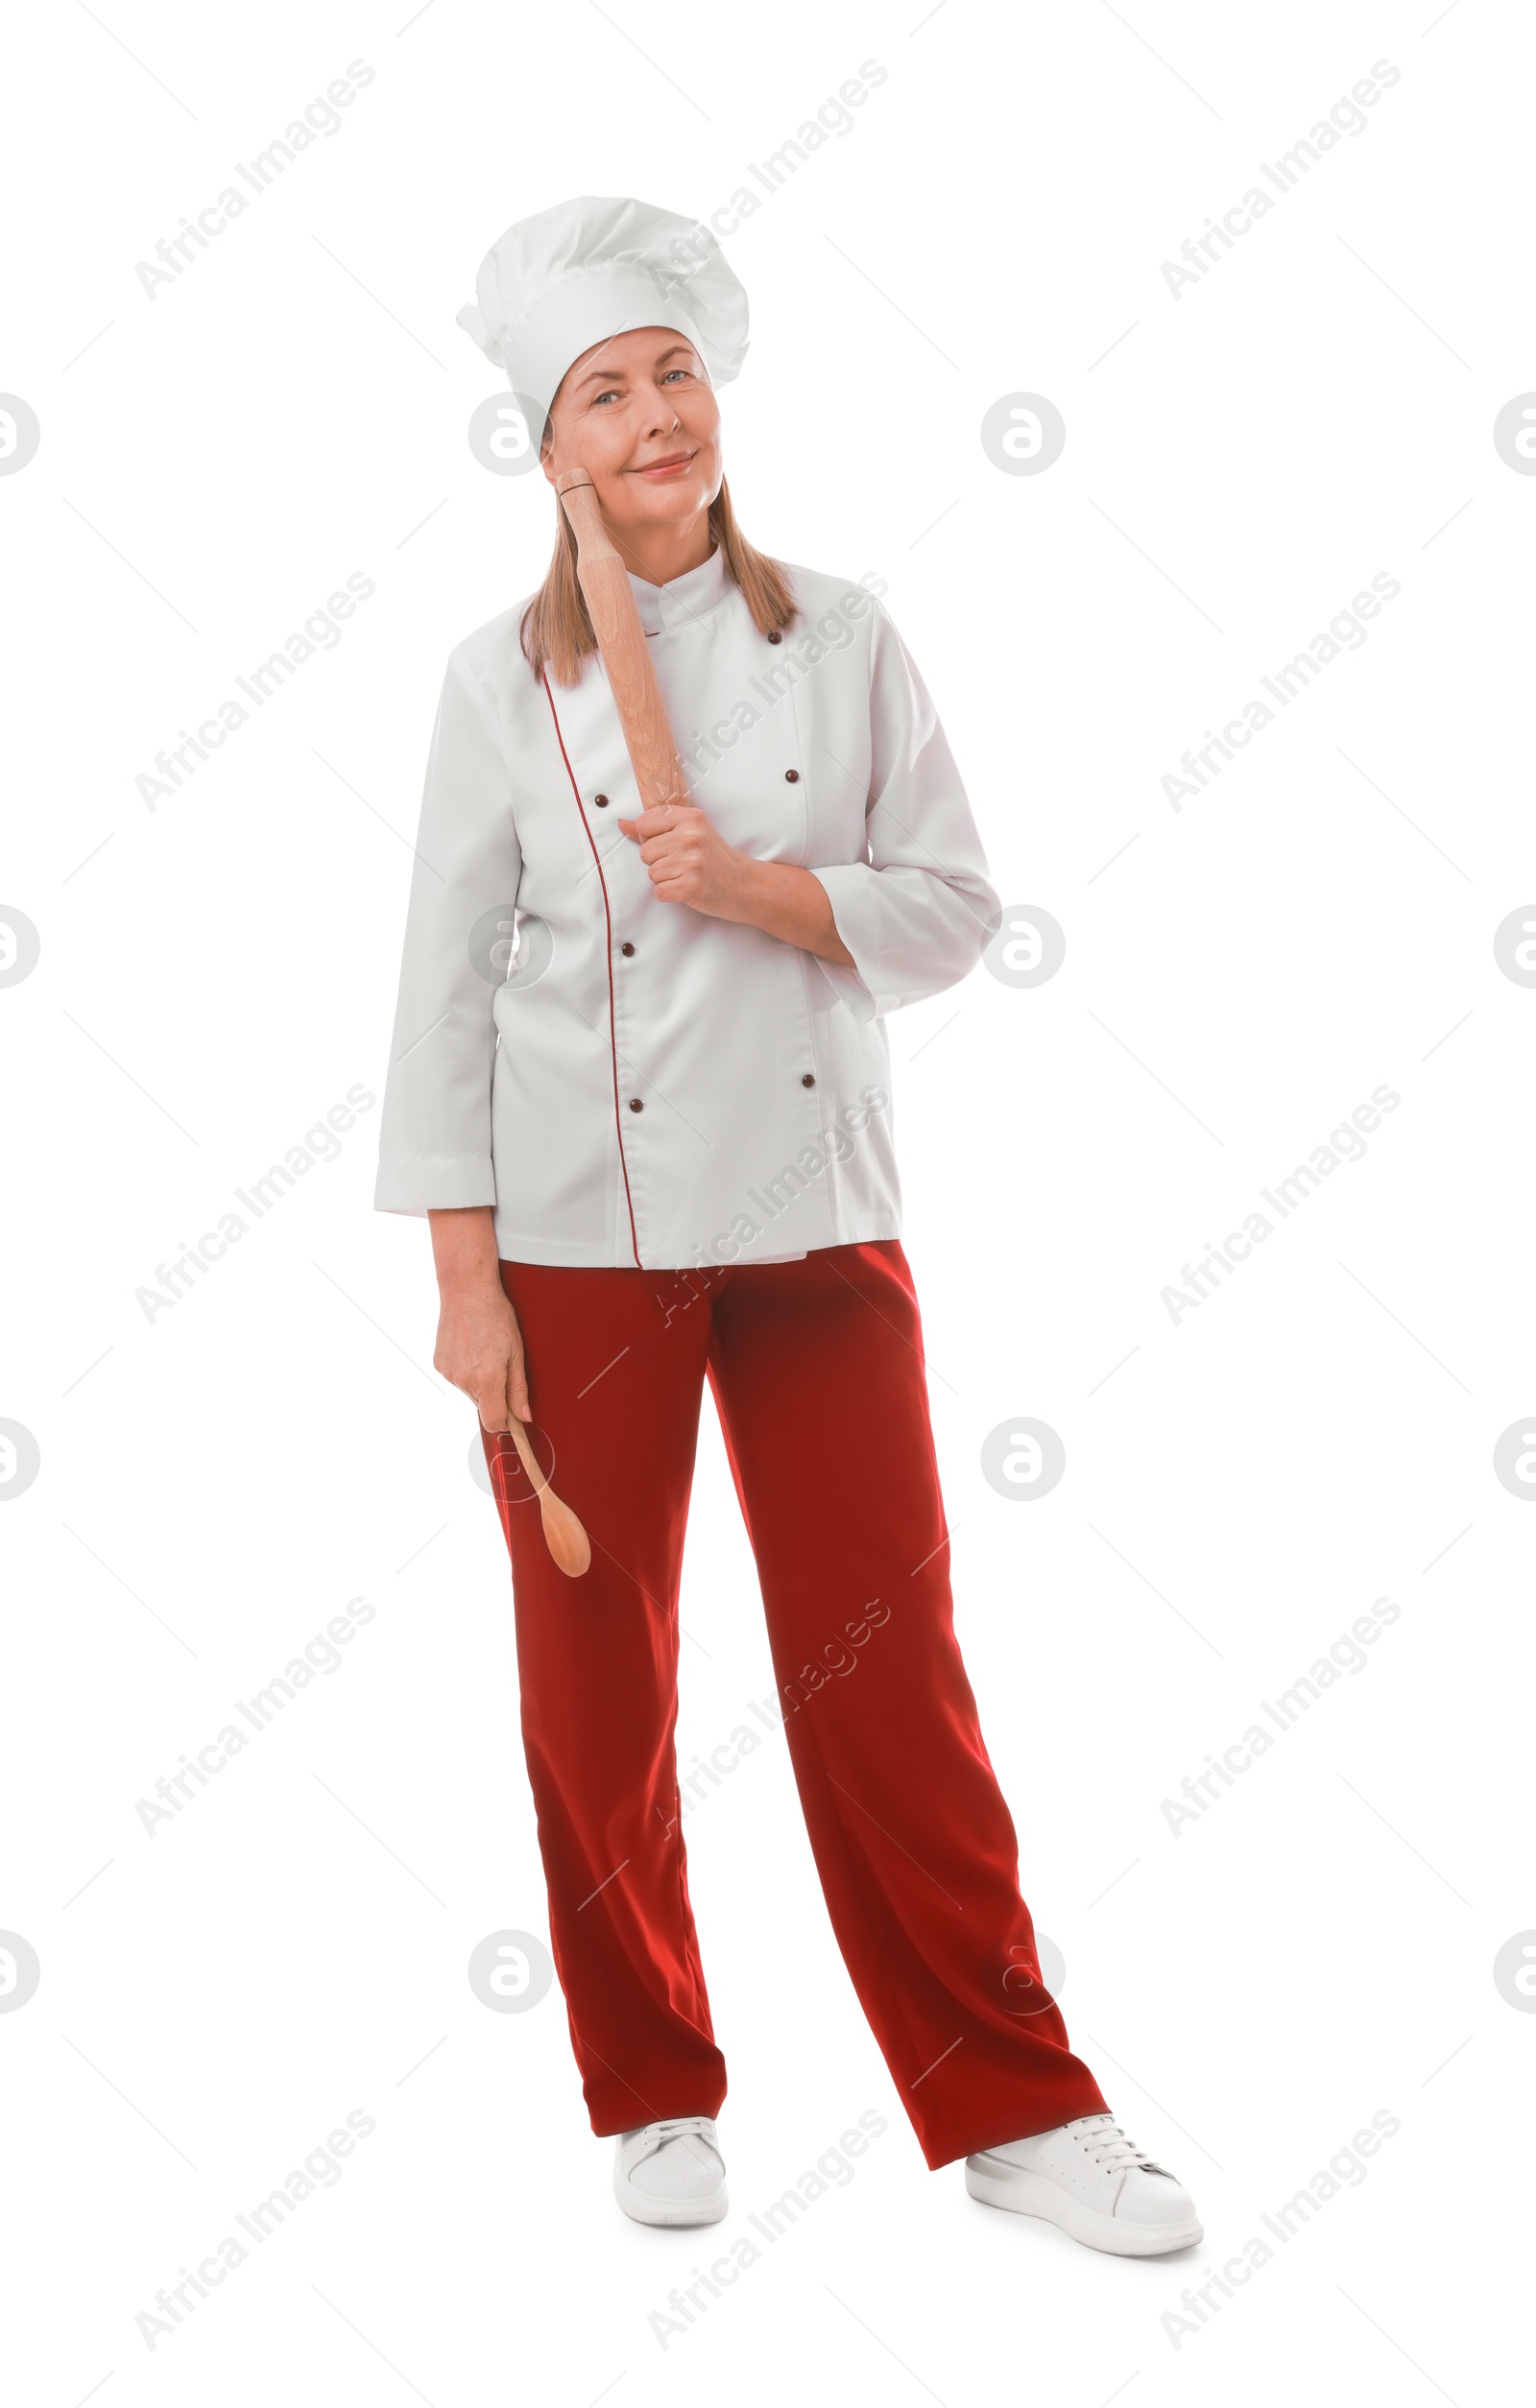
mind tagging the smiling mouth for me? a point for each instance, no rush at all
(666, 467)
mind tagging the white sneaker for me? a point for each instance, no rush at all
(1097, 2185)
(671, 2172)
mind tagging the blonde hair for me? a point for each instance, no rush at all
(557, 630)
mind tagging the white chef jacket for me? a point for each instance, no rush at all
(628, 1080)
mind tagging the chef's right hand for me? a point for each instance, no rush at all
(479, 1348)
(479, 1344)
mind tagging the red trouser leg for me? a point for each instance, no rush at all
(820, 1383)
(597, 1662)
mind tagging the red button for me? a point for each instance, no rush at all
(808, 1081)
(626, 948)
(601, 801)
(636, 1106)
(793, 776)
(775, 637)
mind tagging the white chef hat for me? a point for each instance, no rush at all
(554, 285)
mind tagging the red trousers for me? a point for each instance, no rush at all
(817, 1374)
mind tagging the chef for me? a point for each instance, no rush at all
(639, 1086)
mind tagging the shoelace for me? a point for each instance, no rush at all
(1108, 2145)
(654, 2136)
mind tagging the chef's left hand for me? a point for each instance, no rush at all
(691, 862)
(688, 859)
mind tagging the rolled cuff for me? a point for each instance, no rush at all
(418, 1184)
(854, 987)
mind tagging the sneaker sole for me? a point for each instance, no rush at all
(1002, 2185)
(672, 2213)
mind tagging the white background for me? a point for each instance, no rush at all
(1241, 1483)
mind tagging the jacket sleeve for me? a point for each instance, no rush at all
(917, 915)
(435, 1125)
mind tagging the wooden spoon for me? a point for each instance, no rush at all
(564, 1536)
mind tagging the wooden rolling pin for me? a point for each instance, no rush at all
(605, 585)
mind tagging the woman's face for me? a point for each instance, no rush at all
(639, 415)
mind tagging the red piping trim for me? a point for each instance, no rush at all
(608, 919)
